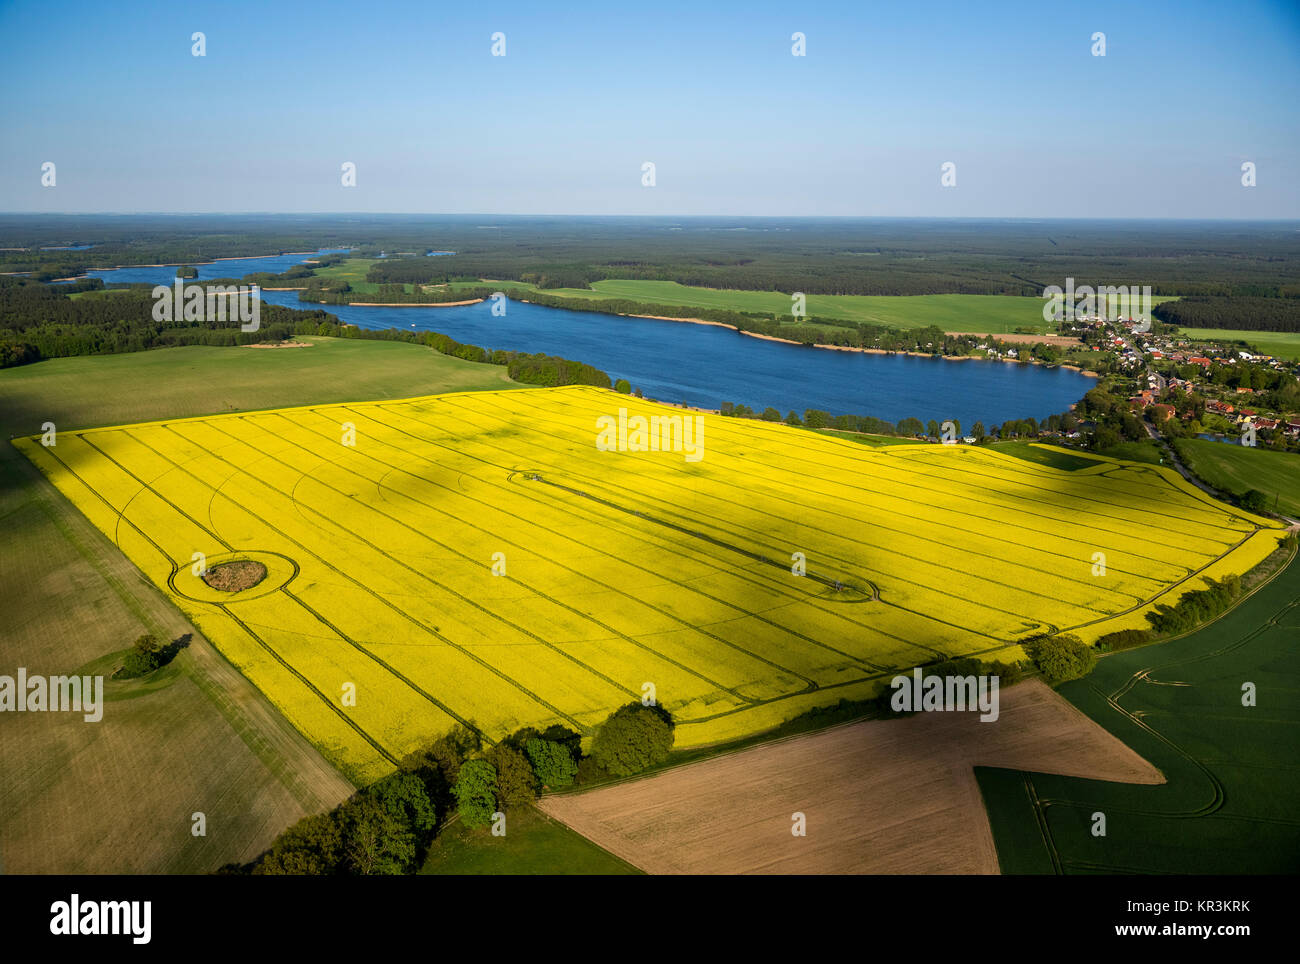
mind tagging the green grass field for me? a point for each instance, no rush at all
(353, 271)
(969, 313)
(1283, 344)
(88, 391)
(862, 438)
(1043, 456)
(1237, 469)
(533, 844)
(1230, 803)
(977, 313)
(1143, 451)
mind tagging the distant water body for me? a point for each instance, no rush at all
(705, 365)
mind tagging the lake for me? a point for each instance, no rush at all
(704, 365)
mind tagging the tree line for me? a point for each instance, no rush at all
(836, 256)
(389, 827)
(39, 321)
(1237, 314)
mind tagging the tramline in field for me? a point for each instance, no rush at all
(478, 558)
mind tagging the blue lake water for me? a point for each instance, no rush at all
(705, 365)
(231, 268)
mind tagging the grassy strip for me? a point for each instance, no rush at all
(533, 844)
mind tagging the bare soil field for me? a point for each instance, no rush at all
(879, 797)
(1061, 341)
(235, 576)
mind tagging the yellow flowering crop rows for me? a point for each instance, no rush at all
(478, 558)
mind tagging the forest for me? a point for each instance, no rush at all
(881, 256)
(39, 321)
(1237, 314)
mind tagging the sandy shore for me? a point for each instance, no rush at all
(693, 321)
(400, 304)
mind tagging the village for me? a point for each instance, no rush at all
(1214, 390)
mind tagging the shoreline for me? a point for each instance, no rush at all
(386, 304)
(187, 264)
(868, 351)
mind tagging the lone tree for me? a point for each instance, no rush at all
(476, 792)
(145, 657)
(1061, 658)
(633, 738)
(623, 386)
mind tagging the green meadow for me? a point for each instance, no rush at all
(1237, 469)
(533, 844)
(1231, 796)
(143, 386)
(1282, 344)
(973, 313)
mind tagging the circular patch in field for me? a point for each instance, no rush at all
(525, 475)
(849, 592)
(235, 576)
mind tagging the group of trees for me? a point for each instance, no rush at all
(815, 418)
(341, 293)
(388, 827)
(40, 321)
(1196, 607)
(1112, 417)
(908, 427)
(149, 654)
(1236, 313)
(531, 369)
(1006, 673)
(1061, 657)
(1193, 609)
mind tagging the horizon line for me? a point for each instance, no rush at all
(769, 217)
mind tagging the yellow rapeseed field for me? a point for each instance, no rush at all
(487, 558)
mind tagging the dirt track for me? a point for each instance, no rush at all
(879, 797)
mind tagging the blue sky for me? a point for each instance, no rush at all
(409, 92)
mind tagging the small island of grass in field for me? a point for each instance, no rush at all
(533, 844)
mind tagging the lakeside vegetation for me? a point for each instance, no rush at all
(993, 314)
(38, 322)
